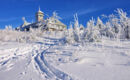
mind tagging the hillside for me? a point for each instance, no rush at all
(50, 59)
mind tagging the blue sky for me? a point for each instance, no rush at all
(11, 11)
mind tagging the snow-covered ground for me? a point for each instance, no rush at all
(51, 59)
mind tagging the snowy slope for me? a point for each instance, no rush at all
(51, 59)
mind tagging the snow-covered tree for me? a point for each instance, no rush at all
(124, 23)
(93, 33)
(120, 24)
(8, 27)
(76, 30)
(70, 35)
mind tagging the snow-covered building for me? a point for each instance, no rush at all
(50, 24)
(54, 24)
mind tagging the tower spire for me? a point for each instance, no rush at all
(39, 15)
(39, 8)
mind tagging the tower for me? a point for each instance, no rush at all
(39, 15)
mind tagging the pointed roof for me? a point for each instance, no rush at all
(25, 23)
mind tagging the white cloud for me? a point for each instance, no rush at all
(86, 11)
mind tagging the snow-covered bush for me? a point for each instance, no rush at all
(9, 34)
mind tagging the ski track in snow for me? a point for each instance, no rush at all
(51, 72)
(33, 56)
